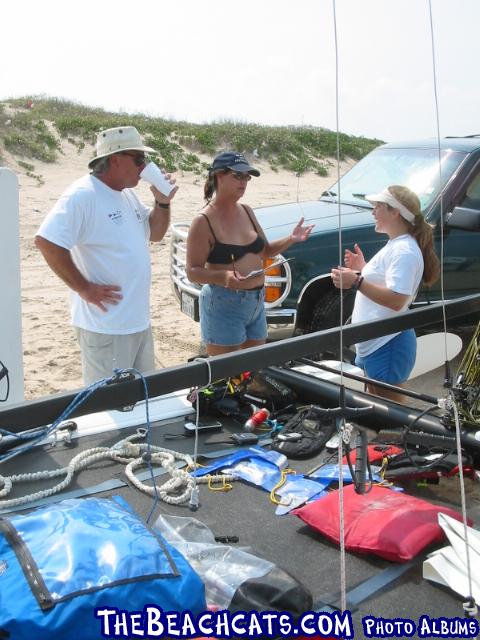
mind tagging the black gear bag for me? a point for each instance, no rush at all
(305, 434)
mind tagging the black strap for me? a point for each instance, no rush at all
(211, 228)
(250, 217)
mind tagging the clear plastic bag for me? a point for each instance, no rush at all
(221, 567)
(296, 491)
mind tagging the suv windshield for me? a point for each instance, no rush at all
(413, 168)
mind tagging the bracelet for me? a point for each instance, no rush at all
(357, 284)
(162, 205)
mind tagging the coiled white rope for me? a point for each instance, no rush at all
(176, 490)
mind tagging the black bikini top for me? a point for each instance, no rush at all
(224, 253)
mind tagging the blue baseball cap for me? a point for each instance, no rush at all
(234, 161)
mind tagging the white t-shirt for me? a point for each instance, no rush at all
(397, 266)
(107, 232)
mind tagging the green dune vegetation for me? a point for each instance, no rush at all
(34, 127)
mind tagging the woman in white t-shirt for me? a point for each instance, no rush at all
(389, 282)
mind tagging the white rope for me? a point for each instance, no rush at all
(343, 571)
(77, 463)
(176, 490)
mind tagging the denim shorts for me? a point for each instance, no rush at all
(229, 317)
(394, 361)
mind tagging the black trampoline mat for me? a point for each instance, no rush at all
(247, 512)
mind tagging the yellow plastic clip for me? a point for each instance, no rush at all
(226, 486)
(280, 483)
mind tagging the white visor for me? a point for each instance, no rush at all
(388, 198)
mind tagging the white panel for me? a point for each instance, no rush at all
(10, 292)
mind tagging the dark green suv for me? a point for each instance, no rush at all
(300, 296)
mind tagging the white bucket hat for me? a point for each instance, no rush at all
(389, 198)
(118, 139)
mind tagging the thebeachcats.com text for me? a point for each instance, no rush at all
(153, 622)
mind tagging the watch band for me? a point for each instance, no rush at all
(357, 284)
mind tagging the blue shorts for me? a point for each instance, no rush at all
(229, 317)
(394, 361)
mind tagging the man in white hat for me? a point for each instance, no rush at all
(96, 239)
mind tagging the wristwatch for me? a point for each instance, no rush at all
(357, 283)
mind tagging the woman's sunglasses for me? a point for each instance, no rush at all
(241, 176)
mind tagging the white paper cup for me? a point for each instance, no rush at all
(152, 174)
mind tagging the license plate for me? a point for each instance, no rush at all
(189, 306)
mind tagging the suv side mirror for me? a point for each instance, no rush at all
(463, 218)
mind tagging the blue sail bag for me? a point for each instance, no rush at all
(59, 562)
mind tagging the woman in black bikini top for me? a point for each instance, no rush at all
(225, 244)
(222, 252)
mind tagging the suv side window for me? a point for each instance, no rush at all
(472, 196)
(461, 267)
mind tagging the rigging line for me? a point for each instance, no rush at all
(194, 500)
(147, 456)
(341, 425)
(44, 432)
(471, 602)
(339, 206)
(298, 176)
(437, 121)
(464, 503)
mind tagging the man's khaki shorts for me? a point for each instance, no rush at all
(102, 353)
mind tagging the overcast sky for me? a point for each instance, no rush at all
(266, 61)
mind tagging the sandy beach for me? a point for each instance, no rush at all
(51, 354)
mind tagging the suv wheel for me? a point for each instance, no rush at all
(326, 314)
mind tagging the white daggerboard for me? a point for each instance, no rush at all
(431, 352)
(10, 292)
(313, 371)
(430, 356)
